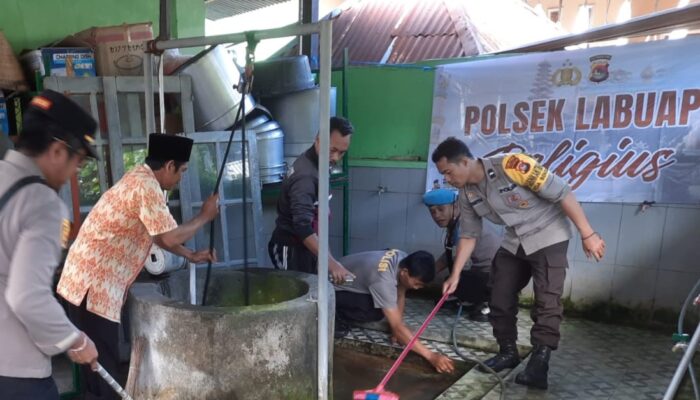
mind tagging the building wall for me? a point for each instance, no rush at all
(34, 23)
(390, 107)
(651, 262)
(604, 11)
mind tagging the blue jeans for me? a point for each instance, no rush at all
(28, 388)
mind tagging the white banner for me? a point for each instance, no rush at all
(620, 124)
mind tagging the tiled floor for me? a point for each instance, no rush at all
(594, 362)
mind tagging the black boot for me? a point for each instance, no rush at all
(535, 374)
(507, 357)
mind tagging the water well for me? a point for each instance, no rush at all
(227, 350)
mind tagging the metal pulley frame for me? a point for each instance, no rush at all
(324, 29)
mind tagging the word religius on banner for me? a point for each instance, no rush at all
(619, 124)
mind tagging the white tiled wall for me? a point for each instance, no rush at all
(652, 259)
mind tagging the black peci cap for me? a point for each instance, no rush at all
(64, 113)
(164, 147)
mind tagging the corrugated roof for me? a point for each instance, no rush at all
(412, 49)
(402, 31)
(366, 30)
(218, 9)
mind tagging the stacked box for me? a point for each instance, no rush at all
(60, 61)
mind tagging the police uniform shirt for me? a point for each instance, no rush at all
(521, 194)
(485, 249)
(33, 227)
(376, 274)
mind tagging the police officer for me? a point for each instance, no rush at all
(535, 206)
(54, 142)
(294, 242)
(379, 291)
(473, 284)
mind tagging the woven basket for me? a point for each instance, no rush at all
(11, 76)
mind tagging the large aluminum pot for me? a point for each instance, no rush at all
(297, 114)
(282, 75)
(215, 100)
(270, 152)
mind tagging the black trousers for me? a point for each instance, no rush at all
(28, 388)
(358, 307)
(473, 286)
(510, 274)
(105, 334)
(292, 257)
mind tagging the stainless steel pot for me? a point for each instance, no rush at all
(215, 100)
(270, 152)
(297, 114)
(282, 75)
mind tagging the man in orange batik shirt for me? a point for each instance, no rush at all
(113, 243)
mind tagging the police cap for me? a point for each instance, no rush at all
(439, 197)
(75, 124)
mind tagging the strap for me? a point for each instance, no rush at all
(27, 180)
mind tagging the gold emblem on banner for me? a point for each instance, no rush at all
(567, 75)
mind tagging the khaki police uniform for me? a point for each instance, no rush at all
(33, 228)
(34, 327)
(524, 196)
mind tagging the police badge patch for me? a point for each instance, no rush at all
(600, 68)
(525, 171)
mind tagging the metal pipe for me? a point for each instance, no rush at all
(193, 283)
(164, 22)
(161, 94)
(346, 160)
(148, 93)
(683, 365)
(666, 19)
(289, 30)
(323, 204)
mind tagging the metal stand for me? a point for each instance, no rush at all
(683, 365)
(324, 29)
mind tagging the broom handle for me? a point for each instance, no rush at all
(410, 344)
(112, 383)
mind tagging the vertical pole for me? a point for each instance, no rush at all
(323, 206)
(148, 92)
(193, 283)
(346, 161)
(308, 13)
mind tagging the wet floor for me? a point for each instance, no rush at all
(353, 370)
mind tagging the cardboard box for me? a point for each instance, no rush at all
(60, 61)
(119, 49)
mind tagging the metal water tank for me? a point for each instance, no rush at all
(270, 152)
(214, 75)
(297, 114)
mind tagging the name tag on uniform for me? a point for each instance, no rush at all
(65, 233)
(507, 188)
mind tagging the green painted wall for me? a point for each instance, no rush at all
(33, 23)
(390, 107)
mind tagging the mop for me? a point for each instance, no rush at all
(379, 393)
